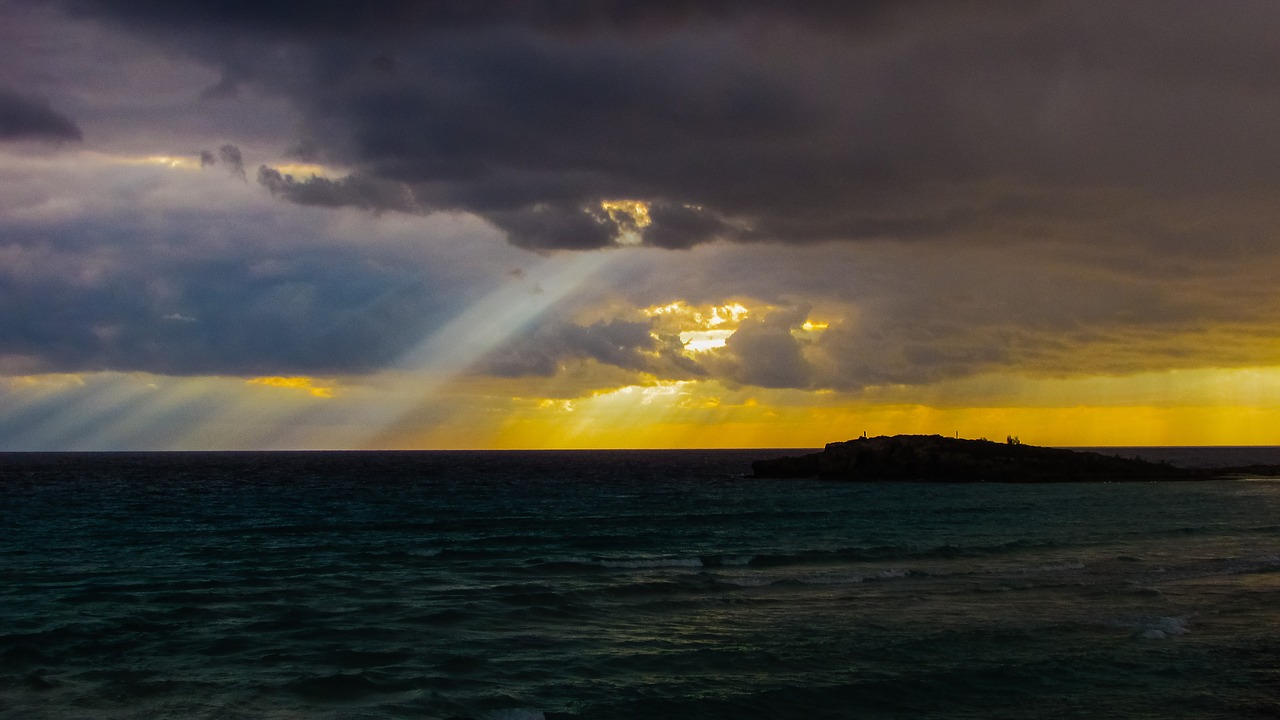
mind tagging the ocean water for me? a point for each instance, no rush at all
(611, 585)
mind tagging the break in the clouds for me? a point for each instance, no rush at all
(762, 121)
(30, 117)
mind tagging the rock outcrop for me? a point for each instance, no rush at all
(934, 458)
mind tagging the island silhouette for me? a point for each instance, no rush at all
(936, 458)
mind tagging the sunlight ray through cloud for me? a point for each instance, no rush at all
(458, 345)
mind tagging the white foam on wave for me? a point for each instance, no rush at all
(1154, 628)
(1057, 568)
(516, 714)
(1163, 627)
(830, 578)
(747, 580)
(853, 578)
(635, 563)
(1263, 563)
(652, 563)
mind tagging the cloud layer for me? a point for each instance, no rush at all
(940, 190)
(988, 122)
(30, 117)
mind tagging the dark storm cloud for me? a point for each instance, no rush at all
(121, 293)
(351, 191)
(1070, 127)
(761, 121)
(29, 117)
(354, 16)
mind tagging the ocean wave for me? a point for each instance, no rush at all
(645, 563)
(831, 578)
(1054, 568)
(798, 558)
(882, 553)
(1158, 627)
(345, 686)
(624, 563)
(515, 714)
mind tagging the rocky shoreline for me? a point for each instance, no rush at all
(935, 458)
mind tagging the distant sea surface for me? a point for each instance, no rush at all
(614, 585)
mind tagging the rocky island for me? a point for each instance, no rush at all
(934, 458)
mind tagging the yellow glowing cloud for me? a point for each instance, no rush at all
(305, 170)
(628, 215)
(192, 162)
(704, 340)
(685, 317)
(708, 327)
(700, 328)
(732, 312)
(635, 210)
(295, 383)
(49, 381)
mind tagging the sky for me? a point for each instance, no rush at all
(617, 224)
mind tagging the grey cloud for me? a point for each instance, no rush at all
(546, 349)
(542, 352)
(683, 226)
(121, 293)
(900, 316)
(853, 142)
(530, 114)
(574, 17)
(1070, 129)
(29, 117)
(763, 352)
(231, 156)
(351, 191)
(886, 126)
(555, 227)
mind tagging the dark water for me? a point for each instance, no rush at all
(623, 585)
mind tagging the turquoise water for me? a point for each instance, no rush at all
(623, 585)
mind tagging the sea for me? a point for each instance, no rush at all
(625, 584)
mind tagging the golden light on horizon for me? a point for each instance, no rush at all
(294, 383)
(1206, 407)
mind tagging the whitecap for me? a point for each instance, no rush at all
(1163, 627)
(1154, 628)
(832, 579)
(652, 563)
(747, 580)
(1058, 567)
